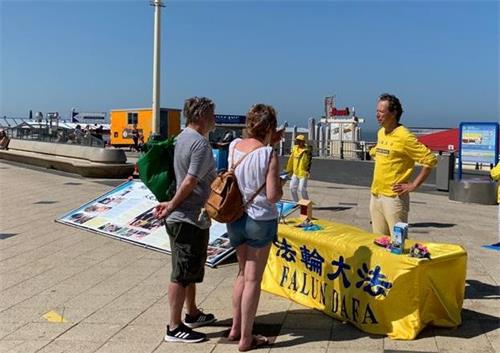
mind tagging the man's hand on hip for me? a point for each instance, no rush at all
(403, 188)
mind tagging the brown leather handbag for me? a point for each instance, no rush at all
(225, 203)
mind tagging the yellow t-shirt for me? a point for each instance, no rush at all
(495, 174)
(395, 156)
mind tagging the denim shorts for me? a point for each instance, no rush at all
(256, 234)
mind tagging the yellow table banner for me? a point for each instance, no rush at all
(340, 271)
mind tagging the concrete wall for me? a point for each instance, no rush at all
(352, 172)
(87, 161)
(91, 154)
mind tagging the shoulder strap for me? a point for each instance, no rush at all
(262, 186)
(234, 165)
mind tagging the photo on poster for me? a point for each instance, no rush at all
(112, 200)
(80, 218)
(97, 208)
(213, 252)
(221, 242)
(138, 234)
(147, 220)
(110, 228)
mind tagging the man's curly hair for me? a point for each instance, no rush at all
(196, 108)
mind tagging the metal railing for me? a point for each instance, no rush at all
(354, 150)
(53, 135)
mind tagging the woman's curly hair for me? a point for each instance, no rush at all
(261, 118)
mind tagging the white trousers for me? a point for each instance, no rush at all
(498, 235)
(301, 185)
(387, 211)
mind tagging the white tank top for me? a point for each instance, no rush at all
(251, 174)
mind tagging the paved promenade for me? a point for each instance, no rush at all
(68, 290)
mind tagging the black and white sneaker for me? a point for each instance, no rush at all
(184, 334)
(201, 320)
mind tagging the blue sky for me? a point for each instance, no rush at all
(440, 58)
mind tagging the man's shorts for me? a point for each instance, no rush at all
(188, 245)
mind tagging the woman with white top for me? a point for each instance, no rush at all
(254, 232)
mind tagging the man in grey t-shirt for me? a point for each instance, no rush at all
(194, 167)
(193, 156)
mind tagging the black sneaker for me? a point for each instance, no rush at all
(200, 320)
(184, 334)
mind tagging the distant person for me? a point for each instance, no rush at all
(98, 132)
(4, 141)
(141, 146)
(60, 137)
(135, 138)
(299, 167)
(495, 175)
(79, 133)
(252, 235)
(88, 136)
(396, 152)
(71, 139)
(187, 224)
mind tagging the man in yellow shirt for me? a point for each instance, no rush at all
(299, 166)
(395, 155)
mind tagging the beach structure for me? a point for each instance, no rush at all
(342, 131)
(123, 121)
(337, 134)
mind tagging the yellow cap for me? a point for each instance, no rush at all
(300, 138)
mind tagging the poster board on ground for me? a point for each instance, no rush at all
(126, 213)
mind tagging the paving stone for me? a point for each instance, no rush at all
(38, 331)
(30, 346)
(421, 344)
(73, 346)
(139, 333)
(122, 347)
(204, 347)
(120, 316)
(92, 332)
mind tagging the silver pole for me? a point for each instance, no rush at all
(282, 141)
(321, 139)
(328, 141)
(155, 125)
(310, 125)
(316, 140)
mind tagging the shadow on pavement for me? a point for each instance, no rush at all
(432, 224)
(6, 235)
(332, 208)
(270, 325)
(340, 188)
(473, 324)
(479, 290)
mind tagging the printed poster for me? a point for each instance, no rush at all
(126, 213)
(479, 142)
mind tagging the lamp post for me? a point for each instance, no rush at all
(155, 124)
